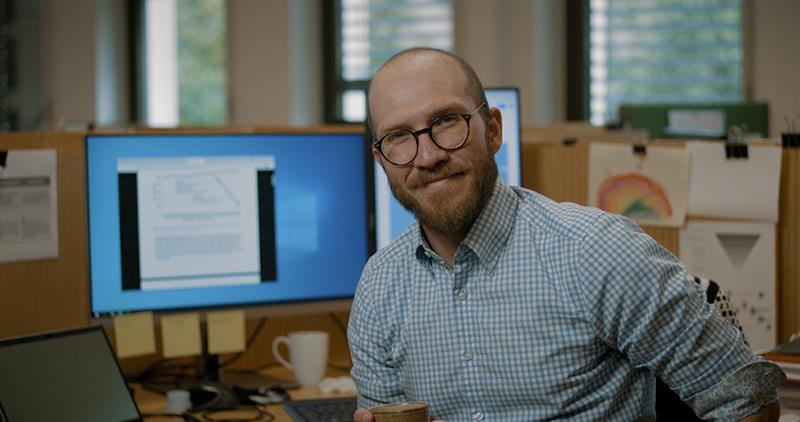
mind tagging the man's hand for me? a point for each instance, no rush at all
(363, 415)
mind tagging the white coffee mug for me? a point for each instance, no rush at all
(308, 355)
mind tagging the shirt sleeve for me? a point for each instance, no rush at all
(637, 296)
(374, 373)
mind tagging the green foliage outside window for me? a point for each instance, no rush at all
(202, 90)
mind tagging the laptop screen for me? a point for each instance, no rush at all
(69, 375)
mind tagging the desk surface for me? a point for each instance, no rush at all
(150, 402)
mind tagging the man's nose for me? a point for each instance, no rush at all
(429, 154)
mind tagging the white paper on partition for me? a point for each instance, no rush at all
(650, 188)
(29, 206)
(739, 188)
(740, 257)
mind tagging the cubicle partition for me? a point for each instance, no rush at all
(51, 294)
(559, 170)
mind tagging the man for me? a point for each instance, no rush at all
(501, 305)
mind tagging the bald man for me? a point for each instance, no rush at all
(499, 304)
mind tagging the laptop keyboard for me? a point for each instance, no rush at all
(323, 410)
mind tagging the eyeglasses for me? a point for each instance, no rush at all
(448, 132)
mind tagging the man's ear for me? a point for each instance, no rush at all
(494, 129)
(378, 158)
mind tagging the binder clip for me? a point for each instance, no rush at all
(3, 159)
(735, 148)
(791, 138)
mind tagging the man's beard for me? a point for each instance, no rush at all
(443, 213)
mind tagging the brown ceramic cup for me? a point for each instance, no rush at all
(414, 411)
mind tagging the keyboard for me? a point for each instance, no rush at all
(322, 410)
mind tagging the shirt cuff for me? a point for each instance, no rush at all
(745, 392)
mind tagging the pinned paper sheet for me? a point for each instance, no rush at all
(134, 334)
(180, 335)
(741, 188)
(651, 188)
(28, 205)
(226, 331)
(740, 257)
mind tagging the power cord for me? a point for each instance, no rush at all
(249, 342)
(260, 415)
(342, 328)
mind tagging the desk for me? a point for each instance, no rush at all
(150, 402)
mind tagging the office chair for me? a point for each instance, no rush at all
(669, 406)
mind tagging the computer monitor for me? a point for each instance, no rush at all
(392, 218)
(186, 221)
(68, 375)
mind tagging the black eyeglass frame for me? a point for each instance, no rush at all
(376, 143)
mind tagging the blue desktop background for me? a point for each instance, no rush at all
(321, 213)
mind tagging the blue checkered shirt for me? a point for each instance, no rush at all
(550, 311)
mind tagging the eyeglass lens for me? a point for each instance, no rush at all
(448, 132)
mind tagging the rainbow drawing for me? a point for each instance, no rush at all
(635, 196)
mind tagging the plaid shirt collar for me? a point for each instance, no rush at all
(489, 233)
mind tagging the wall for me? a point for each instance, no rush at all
(275, 57)
(520, 44)
(775, 60)
(68, 62)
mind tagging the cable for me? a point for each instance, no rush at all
(343, 331)
(342, 328)
(256, 369)
(249, 342)
(261, 415)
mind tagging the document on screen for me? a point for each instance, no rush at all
(199, 219)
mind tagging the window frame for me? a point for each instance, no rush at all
(578, 15)
(335, 84)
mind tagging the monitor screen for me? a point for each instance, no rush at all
(64, 376)
(180, 221)
(392, 219)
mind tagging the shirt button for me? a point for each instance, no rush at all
(461, 294)
(467, 355)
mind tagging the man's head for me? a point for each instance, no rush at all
(445, 189)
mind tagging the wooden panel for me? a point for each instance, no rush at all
(788, 234)
(668, 237)
(51, 294)
(259, 353)
(559, 171)
(47, 295)
(556, 170)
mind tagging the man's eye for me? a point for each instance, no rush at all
(447, 120)
(396, 137)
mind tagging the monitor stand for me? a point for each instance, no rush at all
(210, 370)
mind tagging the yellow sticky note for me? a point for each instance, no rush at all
(226, 331)
(134, 334)
(180, 335)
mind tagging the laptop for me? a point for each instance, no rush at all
(69, 375)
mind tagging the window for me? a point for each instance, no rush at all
(183, 63)
(367, 33)
(662, 51)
